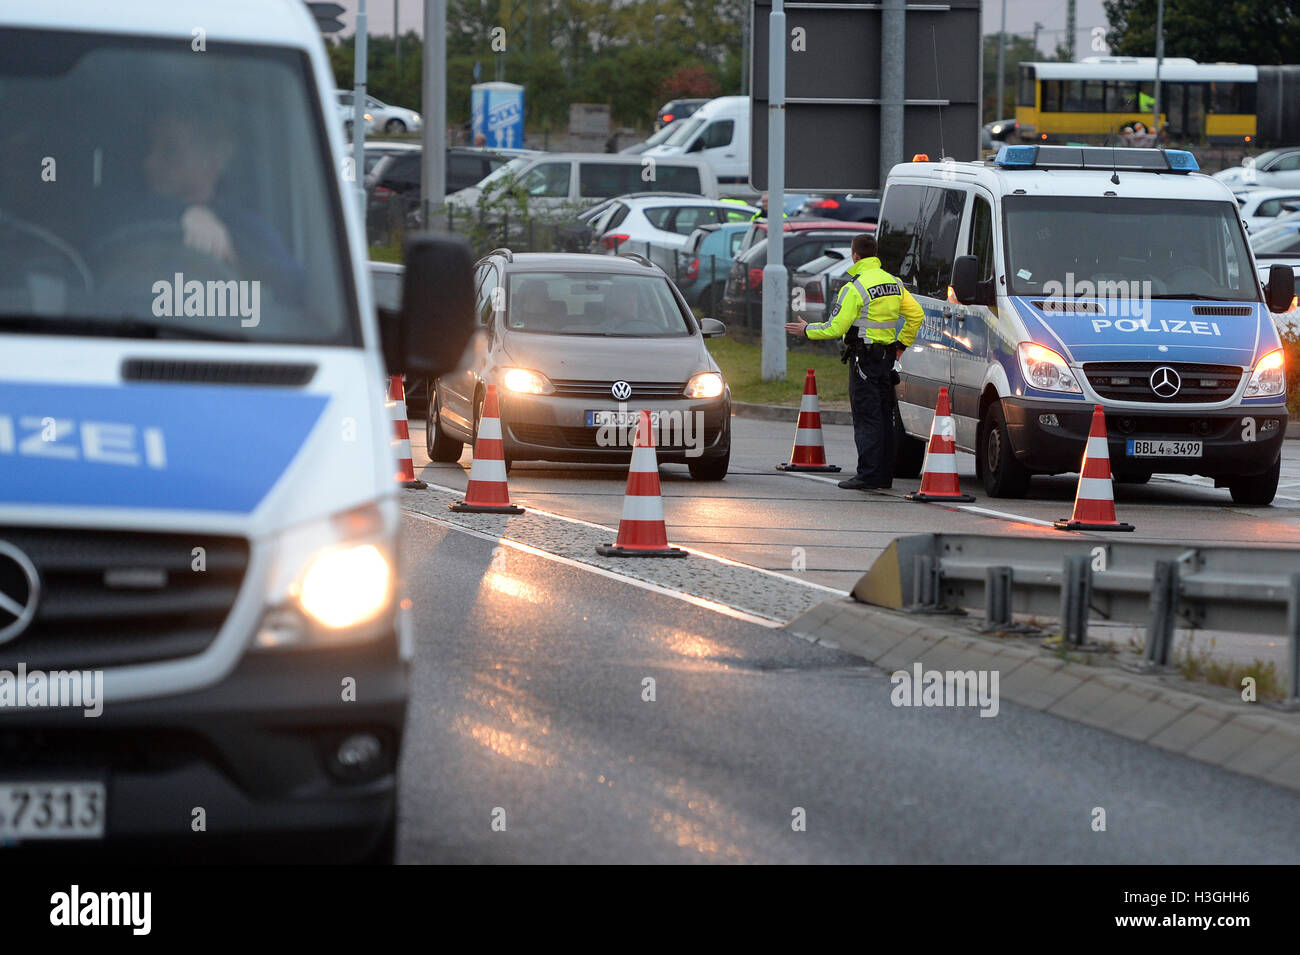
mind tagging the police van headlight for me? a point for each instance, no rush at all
(1269, 378)
(1045, 370)
(332, 581)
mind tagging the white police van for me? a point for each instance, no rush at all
(1058, 278)
(201, 643)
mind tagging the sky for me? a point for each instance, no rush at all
(1021, 15)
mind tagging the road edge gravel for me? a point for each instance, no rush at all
(1201, 722)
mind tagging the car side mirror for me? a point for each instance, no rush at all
(428, 335)
(1281, 287)
(712, 328)
(965, 279)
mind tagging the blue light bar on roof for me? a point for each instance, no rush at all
(1117, 158)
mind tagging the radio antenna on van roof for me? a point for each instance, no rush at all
(1114, 168)
(938, 96)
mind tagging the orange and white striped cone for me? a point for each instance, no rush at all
(641, 530)
(1094, 501)
(809, 452)
(487, 492)
(939, 481)
(396, 405)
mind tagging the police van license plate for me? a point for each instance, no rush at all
(1146, 448)
(34, 810)
(618, 419)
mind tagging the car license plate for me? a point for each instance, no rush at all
(1144, 448)
(38, 810)
(618, 419)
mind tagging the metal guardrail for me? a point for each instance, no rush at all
(1159, 586)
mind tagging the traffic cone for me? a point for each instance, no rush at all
(1094, 502)
(641, 530)
(396, 405)
(939, 481)
(809, 452)
(487, 492)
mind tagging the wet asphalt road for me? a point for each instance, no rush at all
(527, 709)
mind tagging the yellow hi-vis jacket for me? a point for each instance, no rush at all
(891, 314)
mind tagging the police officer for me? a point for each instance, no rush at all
(762, 210)
(878, 320)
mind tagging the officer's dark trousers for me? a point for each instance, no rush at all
(871, 399)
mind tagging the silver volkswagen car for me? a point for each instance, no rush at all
(577, 346)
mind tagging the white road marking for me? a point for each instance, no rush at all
(690, 550)
(601, 571)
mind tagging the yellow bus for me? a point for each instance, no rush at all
(1094, 99)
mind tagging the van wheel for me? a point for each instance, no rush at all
(910, 451)
(1004, 476)
(1133, 477)
(1256, 491)
(441, 448)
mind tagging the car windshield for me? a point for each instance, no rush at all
(177, 195)
(512, 168)
(1282, 242)
(686, 129)
(662, 135)
(1107, 246)
(594, 303)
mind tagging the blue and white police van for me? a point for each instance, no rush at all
(202, 646)
(1058, 278)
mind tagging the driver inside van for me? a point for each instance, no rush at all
(186, 172)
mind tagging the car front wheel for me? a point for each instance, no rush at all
(394, 127)
(441, 448)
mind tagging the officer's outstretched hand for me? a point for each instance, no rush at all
(797, 328)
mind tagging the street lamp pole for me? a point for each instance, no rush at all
(1160, 55)
(1002, 64)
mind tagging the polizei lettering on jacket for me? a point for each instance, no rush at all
(99, 442)
(1173, 326)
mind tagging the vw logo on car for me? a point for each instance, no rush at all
(621, 390)
(1165, 382)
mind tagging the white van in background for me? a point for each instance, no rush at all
(718, 133)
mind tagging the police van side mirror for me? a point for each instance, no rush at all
(437, 317)
(1281, 287)
(965, 279)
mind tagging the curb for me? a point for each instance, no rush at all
(1292, 431)
(742, 409)
(1202, 722)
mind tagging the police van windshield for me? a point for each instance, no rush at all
(591, 303)
(1080, 247)
(149, 190)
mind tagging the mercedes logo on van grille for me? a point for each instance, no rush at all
(621, 390)
(1165, 382)
(20, 589)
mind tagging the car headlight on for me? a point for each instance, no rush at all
(707, 384)
(525, 382)
(1269, 377)
(332, 581)
(1045, 370)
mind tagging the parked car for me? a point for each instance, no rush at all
(556, 180)
(815, 277)
(1262, 207)
(804, 240)
(658, 227)
(577, 235)
(393, 186)
(1280, 238)
(675, 110)
(576, 345)
(708, 255)
(841, 205)
(718, 133)
(1004, 130)
(346, 115)
(377, 149)
(1276, 167)
(394, 120)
